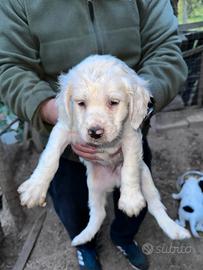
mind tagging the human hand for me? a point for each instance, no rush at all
(92, 154)
(87, 152)
(48, 111)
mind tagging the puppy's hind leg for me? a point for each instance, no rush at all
(181, 221)
(97, 200)
(97, 214)
(199, 227)
(157, 209)
(193, 228)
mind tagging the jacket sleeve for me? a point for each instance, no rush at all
(22, 86)
(161, 62)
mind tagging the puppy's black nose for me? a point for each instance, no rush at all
(96, 132)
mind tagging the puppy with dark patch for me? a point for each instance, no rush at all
(191, 204)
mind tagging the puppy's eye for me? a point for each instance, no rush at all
(81, 103)
(114, 102)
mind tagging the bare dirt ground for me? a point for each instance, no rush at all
(174, 152)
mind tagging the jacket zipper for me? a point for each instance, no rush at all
(92, 18)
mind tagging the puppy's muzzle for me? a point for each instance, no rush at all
(96, 132)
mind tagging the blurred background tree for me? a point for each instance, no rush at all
(189, 10)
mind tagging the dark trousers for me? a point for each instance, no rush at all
(69, 193)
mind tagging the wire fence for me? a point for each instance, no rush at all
(192, 48)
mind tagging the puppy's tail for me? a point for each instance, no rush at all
(158, 210)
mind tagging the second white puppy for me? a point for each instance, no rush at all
(191, 204)
(102, 102)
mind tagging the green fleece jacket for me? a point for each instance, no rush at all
(39, 39)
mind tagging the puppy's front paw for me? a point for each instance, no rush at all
(32, 193)
(175, 196)
(131, 205)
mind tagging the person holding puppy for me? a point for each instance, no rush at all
(41, 39)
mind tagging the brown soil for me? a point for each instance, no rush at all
(174, 152)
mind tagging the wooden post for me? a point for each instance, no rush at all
(200, 88)
(30, 242)
(9, 188)
(1, 233)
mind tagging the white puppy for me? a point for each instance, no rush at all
(191, 204)
(102, 102)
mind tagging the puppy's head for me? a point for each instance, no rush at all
(99, 95)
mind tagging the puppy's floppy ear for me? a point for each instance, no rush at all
(201, 185)
(64, 101)
(139, 98)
